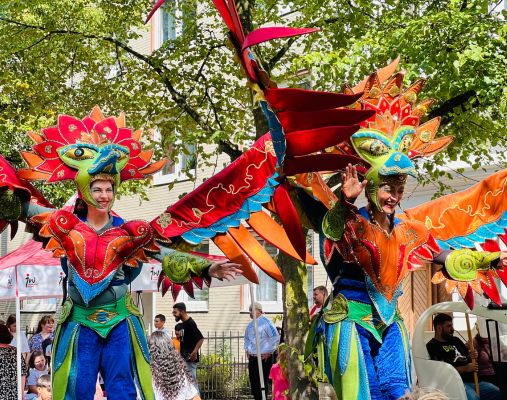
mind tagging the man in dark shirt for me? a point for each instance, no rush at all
(191, 339)
(445, 347)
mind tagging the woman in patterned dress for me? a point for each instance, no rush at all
(8, 367)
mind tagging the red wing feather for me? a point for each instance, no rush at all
(290, 220)
(301, 100)
(492, 291)
(306, 142)
(264, 34)
(302, 121)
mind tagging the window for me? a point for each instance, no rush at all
(168, 22)
(302, 81)
(200, 302)
(174, 19)
(175, 169)
(38, 305)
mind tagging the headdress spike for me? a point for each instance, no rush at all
(383, 74)
(96, 114)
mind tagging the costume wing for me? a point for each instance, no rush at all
(475, 218)
(13, 188)
(302, 123)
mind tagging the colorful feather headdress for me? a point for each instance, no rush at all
(86, 150)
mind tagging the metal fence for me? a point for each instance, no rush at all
(222, 371)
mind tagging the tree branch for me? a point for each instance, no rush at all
(34, 44)
(228, 148)
(334, 180)
(448, 106)
(157, 66)
(280, 53)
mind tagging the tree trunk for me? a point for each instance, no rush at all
(261, 122)
(296, 325)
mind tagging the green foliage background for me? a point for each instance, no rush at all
(65, 56)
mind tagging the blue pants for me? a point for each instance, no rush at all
(385, 363)
(382, 371)
(111, 356)
(487, 390)
(192, 367)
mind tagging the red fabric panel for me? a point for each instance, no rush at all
(176, 290)
(502, 273)
(301, 100)
(238, 28)
(469, 298)
(317, 163)
(491, 245)
(20, 186)
(306, 142)
(264, 34)
(248, 64)
(302, 121)
(224, 193)
(222, 8)
(414, 263)
(424, 253)
(290, 220)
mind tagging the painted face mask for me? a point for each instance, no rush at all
(87, 150)
(392, 138)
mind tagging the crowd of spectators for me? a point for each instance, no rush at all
(173, 360)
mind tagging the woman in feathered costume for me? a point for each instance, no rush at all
(100, 328)
(369, 251)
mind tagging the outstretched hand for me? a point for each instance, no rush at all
(503, 259)
(350, 183)
(225, 269)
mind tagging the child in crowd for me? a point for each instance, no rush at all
(279, 376)
(44, 387)
(47, 346)
(177, 339)
(37, 366)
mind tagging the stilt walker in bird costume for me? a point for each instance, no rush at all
(100, 328)
(368, 252)
(371, 133)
